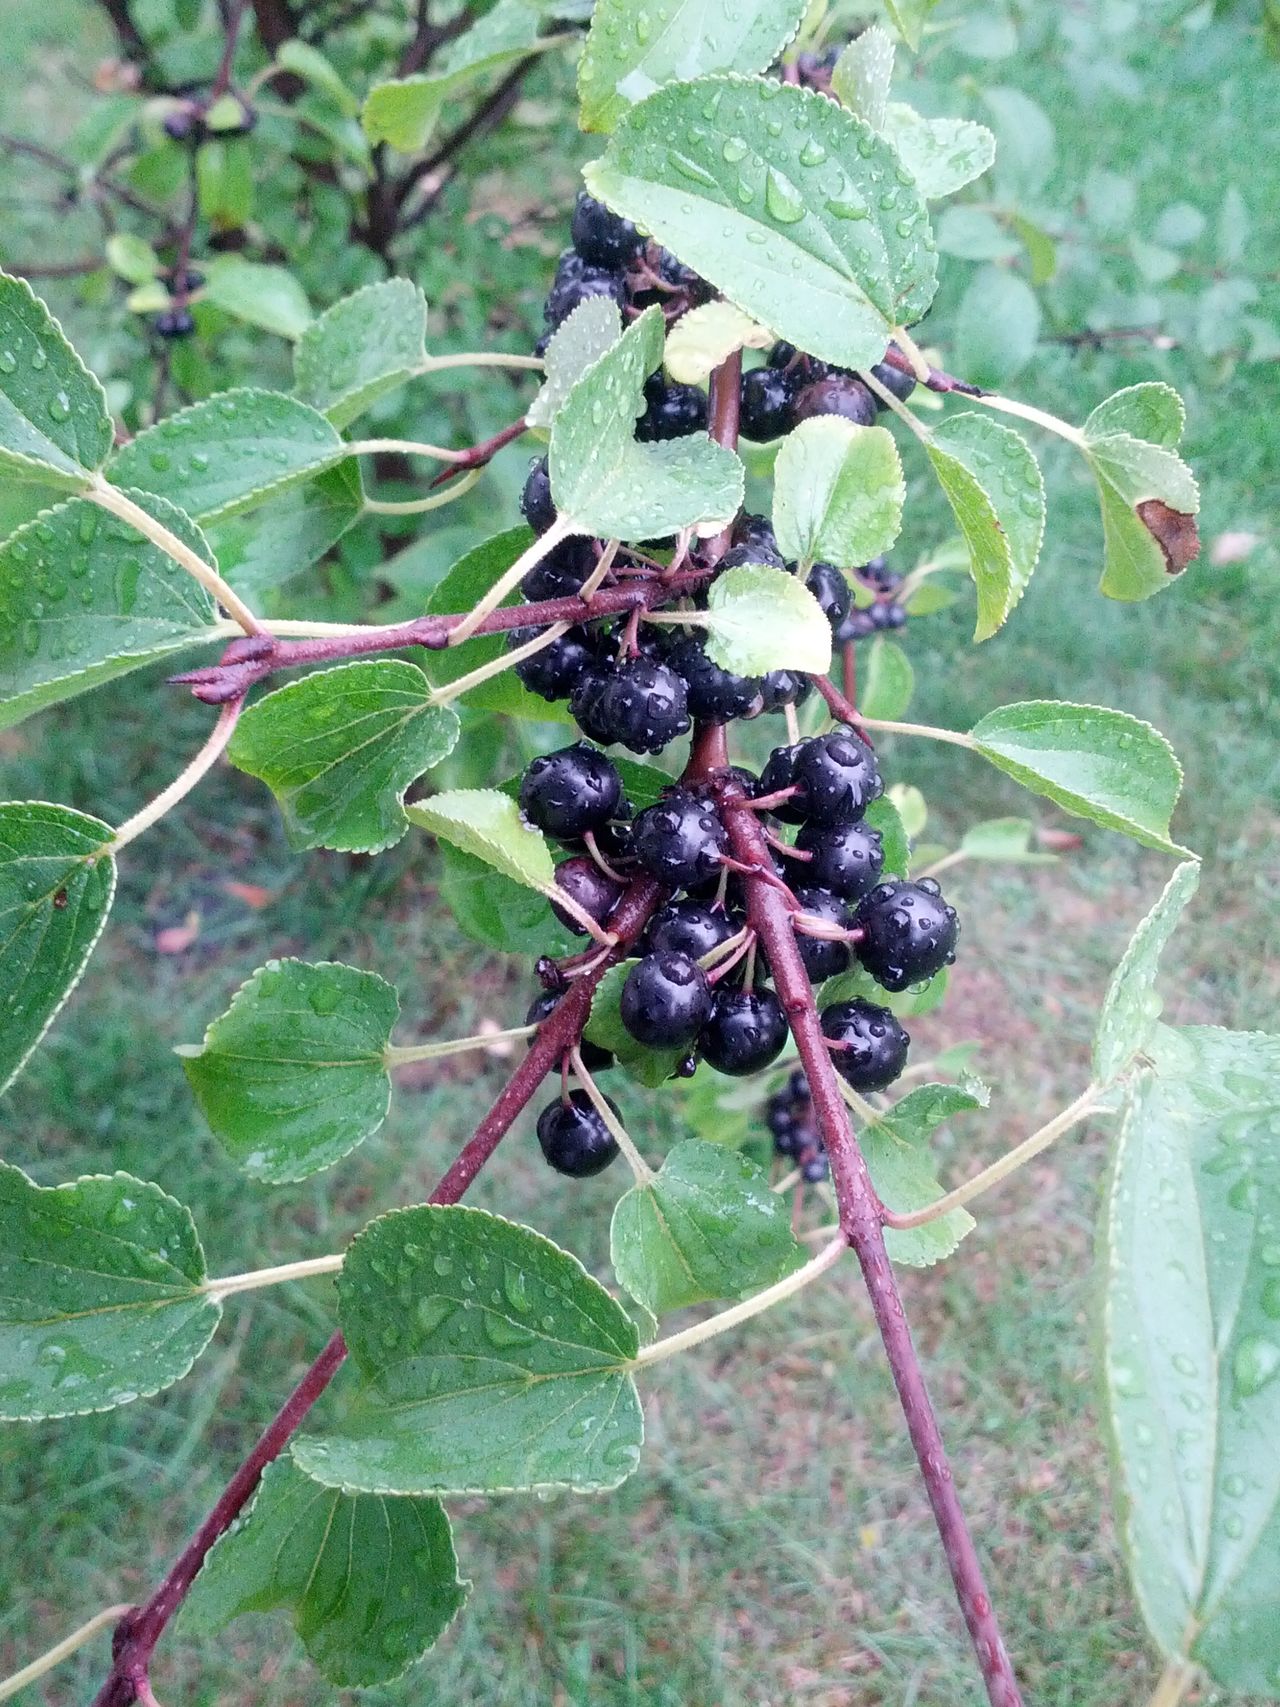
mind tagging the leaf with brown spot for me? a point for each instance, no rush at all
(1174, 531)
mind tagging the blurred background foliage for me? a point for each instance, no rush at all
(775, 1547)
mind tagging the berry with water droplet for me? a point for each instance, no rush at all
(574, 1139)
(873, 1046)
(909, 932)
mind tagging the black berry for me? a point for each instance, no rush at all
(838, 776)
(831, 590)
(601, 237)
(784, 687)
(582, 881)
(680, 840)
(876, 1046)
(856, 626)
(841, 394)
(847, 858)
(175, 323)
(594, 1059)
(893, 379)
(909, 932)
(571, 791)
(887, 613)
(536, 505)
(687, 927)
(573, 1137)
(561, 572)
(183, 124)
(556, 670)
(823, 959)
(756, 533)
(766, 409)
(779, 773)
(674, 272)
(747, 1030)
(671, 410)
(665, 1000)
(574, 282)
(714, 695)
(639, 703)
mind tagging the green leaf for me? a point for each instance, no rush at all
(996, 491)
(888, 681)
(706, 336)
(896, 1148)
(831, 256)
(339, 748)
(56, 883)
(974, 235)
(1149, 501)
(838, 492)
(1151, 411)
(293, 1076)
(1192, 1349)
(884, 816)
(84, 598)
(759, 619)
(55, 429)
(1131, 1007)
(648, 1066)
(265, 296)
(260, 551)
(1102, 765)
(100, 1299)
(863, 73)
(707, 1226)
(498, 912)
(909, 18)
(461, 589)
(229, 453)
(365, 346)
(942, 155)
(996, 327)
(1004, 840)
(487, 824)
(605, 483)
(372, 1583)
(404, 111)
(630, 54)
(493, 1363)
(131, 258)
(310, 64)
(594, 327)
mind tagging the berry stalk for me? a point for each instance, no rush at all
(861, 1214)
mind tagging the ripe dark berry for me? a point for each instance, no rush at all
(909, 932)
(887, 613)
(747, 1030)
(815, 1169)
(573, 1137)
(779, 773)
(839, 777)
(666, 1000)
(847, 858)
(893, 379)
(766, 409)
(798, 1085)
(714, 695)
(879, 575)
(680, 840)
(602, 237)
(784, 687)
(823, 959)
(756, 533)
(582, 881)
(536, 505)
(594, 1059)
(675, 273)
(877, 1044)
(556, 670)
(841, 394)
(574, 282)
(831, 590)
(639, 703)
(687, 927)
(175, 323)
(671, 410)
(856, 626)
(571, 791)
(561, 572)
(183, 124)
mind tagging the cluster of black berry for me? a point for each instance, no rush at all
(883, 612)
(700, 986)
(792, 387)
(789, 1117)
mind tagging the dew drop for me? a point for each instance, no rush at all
(39, 360)
(1255, 1365)
(813, 153)
(691, 169)
(734, 149)
(782, 199)
(8, 361)
(60, 407)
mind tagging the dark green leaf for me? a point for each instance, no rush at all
(594, 327)
(293, 1076)
(55, 429)
(279, 539)
(888, 681)
(493, 1362)
(997, 325)
(497, 911)
(363, 347)
(100, 1294)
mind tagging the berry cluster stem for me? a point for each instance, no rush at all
(860, 1221)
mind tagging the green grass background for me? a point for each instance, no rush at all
(775, 1546)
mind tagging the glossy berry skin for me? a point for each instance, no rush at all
(909, 932)
(831, 590)
(755, 532)
(714, 695)
(893, 379)
(687, 927)
(583, 881)
(847, 858)
(574, 282)
(601, 237)
(779, 773)
(671, 410)
(877, 1044)
(556, 670)
(679, 840)
(561, 572)
(761, 552)
(784, 687)
(536, 504)
(570, 791)
(594, 1059)
(766, 408)
(641, 704)
(573, 1137)
(815, 1169)
(183, 124)
(838, 776)
(856, 626)
(747, 1030)
(841, 394)
(175, 323)
(666, 1000)
(823, 959)
(887, 614)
